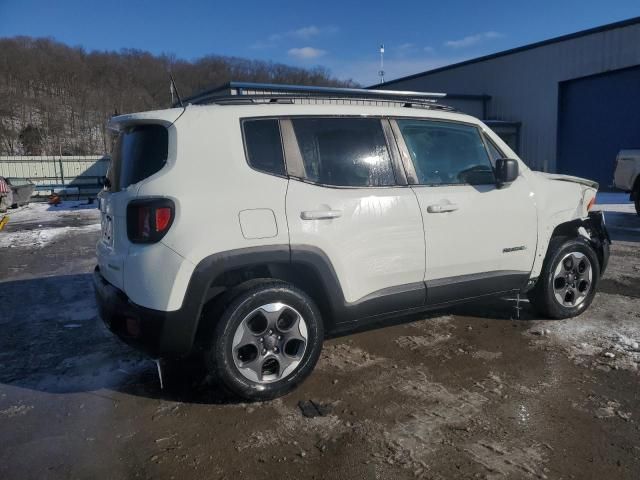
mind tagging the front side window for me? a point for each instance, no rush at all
(264, 146)
(446, 153)
(349, 152)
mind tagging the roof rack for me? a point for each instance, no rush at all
(248, 93)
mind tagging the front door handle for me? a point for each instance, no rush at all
(320, 214)
(442, 208)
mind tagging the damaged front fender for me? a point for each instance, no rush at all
(595, 231)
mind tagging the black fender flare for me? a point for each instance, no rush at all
(306, 266)
(179, 335)
(598, 236)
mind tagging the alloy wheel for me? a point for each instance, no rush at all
(269, 343)
(572, 279)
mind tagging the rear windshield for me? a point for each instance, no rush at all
(139, 152)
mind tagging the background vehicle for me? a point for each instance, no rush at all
(627, 174)
(247, 228)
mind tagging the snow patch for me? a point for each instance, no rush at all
(43, 212)
(15, 410)
(41, 237)
(607, 335)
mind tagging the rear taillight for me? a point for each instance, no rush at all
(149, 219)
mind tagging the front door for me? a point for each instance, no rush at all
(347, 204)
(480, 239)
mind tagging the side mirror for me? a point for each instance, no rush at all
(506, 171)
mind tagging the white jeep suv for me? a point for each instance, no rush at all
(247, 227)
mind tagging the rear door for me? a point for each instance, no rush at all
(479, 239)
(345, 199)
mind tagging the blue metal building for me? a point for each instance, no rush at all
(566, 105)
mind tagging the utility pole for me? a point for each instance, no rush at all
(381, 72)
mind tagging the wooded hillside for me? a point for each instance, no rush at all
(55, 99)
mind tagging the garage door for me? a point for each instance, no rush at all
(598, 116)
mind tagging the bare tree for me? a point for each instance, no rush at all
(62, 96)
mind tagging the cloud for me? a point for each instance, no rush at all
(306, 32)
(403, 50)
(472, 40)
(366, 72)
(306, 53)
(406, 46)
(302, 33)
(429, 50)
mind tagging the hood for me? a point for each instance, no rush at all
(569, 178)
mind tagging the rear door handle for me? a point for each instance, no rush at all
(320, 214)
(442, 208)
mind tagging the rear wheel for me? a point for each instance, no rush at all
(267, 340)
(637, 200)
(568, 280)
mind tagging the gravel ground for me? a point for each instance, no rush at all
(470, 392)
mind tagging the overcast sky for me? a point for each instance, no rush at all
(342, 36)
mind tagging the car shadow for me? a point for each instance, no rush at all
(52, 340)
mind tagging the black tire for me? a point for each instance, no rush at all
(542, 297)
(637, 199)
(239, 303)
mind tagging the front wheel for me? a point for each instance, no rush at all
(567, 284)
(267, 340)
(637, 199)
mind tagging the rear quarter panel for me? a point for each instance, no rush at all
(211, 183)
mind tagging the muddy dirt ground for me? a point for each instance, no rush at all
(471, 392)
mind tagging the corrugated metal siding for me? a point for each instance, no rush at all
(524, 85)
(54, 172)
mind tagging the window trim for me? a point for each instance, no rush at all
(407, 161)
(246, 151)
(295, 163)
(487, 141)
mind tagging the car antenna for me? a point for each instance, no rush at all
(174, 89)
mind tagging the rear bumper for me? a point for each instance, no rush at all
(154, 332)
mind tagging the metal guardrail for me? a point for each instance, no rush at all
(77, 175)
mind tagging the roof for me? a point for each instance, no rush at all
(563, 38)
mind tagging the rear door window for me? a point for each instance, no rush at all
(446, 153)
(347, 152)
(264, 145)
(139, 152)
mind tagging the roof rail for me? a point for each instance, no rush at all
(265, 91)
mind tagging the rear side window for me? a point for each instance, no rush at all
(349, 152)
(446, 153)
(264, 146)
(139, 152)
